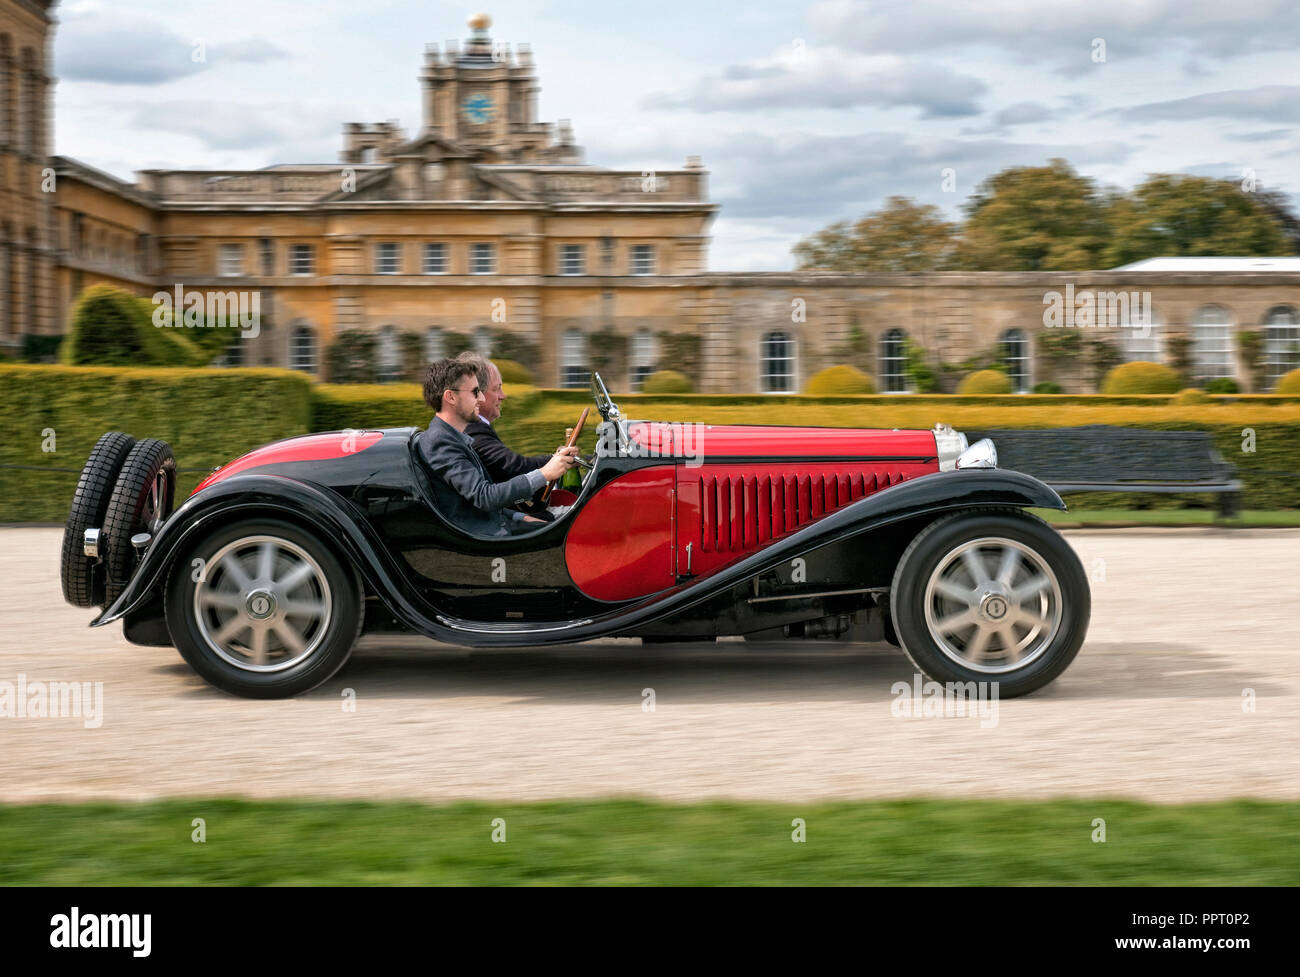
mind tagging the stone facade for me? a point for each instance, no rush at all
(487, 220)
(27, 254)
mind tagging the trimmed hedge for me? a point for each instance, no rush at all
(840, 380)
(212, 416)
(514, 373)
(1141, 377)
(1289, 384)
(985, 382)
(667, 382)
(208, 417)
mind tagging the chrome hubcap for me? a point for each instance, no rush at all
(262, 603)
(993, 604)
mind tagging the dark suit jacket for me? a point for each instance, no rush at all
(501, 463)
(464, 492)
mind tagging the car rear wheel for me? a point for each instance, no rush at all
(141, 502)
(991, 596)
(82, 576)
(264, 609)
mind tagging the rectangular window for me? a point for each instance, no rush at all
(387, 259)
(231, 262)
(267, 248)
(483, 259)
(572, 259)
(302, 259)
(643, 259)
(435, 259)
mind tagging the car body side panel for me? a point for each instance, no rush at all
(620, 544)
(726, 511)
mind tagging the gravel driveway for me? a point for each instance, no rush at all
(1184, 622)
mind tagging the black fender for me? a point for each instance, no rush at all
(249, 495)
(246, 496)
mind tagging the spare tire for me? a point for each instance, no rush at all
(141, 502)
(83, 578)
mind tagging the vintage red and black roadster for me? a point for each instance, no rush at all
(267, 574)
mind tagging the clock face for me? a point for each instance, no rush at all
(478, 108)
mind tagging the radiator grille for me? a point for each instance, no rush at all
(736, 512)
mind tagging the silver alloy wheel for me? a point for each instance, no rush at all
(993, 605)
(262, 603)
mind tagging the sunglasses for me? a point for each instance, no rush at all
(473, 393)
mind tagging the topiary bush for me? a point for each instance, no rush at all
(668, 382)
(1191, 396)
(985, 382)
(512, 372)
(840, 380)
(1223, 385)
(1047, 387)
(1289, 384)
(1141, 377)
(112, 327)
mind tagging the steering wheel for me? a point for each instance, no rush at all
(573, 439)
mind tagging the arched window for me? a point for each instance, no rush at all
(1015, 359)
(776, 367)
(483, 341)
(435, 344)
(645, 354)
(1140, 340)
(302, 349)
(573, 359)
(893, 360)
(388, 357)
(1281, 343)
(1212, 345)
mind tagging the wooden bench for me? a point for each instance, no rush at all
(1098, 458)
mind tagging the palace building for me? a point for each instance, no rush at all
(486, 223)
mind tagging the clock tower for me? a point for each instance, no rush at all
(484, 97)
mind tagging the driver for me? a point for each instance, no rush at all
(462, 489)
(500, 462)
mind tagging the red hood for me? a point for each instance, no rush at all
(736, 440)
(308, 447)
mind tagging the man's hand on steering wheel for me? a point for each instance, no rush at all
(560, 463)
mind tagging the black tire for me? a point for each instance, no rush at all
(1061, 606)
(142, 500)
(231, 667)
(82, 576)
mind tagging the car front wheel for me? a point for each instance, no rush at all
(263, 609)
(991, 596)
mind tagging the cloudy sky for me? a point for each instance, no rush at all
(803, 113)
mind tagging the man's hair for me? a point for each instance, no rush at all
(444, 375)
(480, 364)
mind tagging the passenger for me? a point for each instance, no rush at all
(501, 463)
(462, 489)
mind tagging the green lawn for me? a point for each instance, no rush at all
(1169, 517)
(630, 841)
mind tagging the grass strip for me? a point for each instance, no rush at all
(642, 842)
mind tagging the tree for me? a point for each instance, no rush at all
(901, 236)
(1034, 218)
(1279, 205)
(1173, 215)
